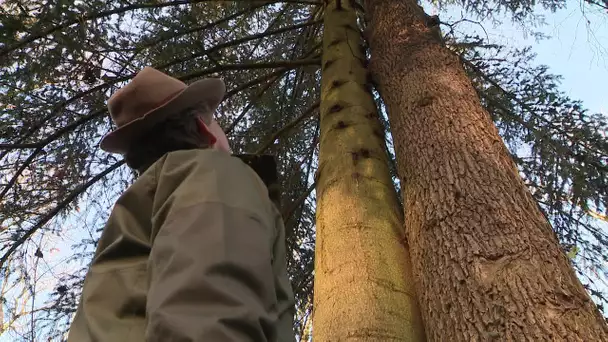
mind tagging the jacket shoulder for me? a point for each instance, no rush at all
(185, 161)
(197, 176)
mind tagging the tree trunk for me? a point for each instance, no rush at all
(488, 266)
(363, 290)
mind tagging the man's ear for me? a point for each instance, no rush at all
(204, 131)
(221, 142)
(217, 137)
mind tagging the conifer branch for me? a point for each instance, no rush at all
(62, 205)
(88, 17)
(287, 127)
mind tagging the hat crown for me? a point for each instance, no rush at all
(148, 90)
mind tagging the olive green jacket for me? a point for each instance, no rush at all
(193, 251)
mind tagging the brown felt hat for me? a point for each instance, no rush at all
(150, 98)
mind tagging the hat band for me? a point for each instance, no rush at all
(168, 98)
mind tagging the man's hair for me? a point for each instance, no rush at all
(178, 132)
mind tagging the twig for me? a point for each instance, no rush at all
(46, 218)
(24, 166)
(268, 76)
(309, 168)
(451, 25)
(287, 65)
(61, 105)
(270, 27)
(253, 82)
(85, 119)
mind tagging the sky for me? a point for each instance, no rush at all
(577, 50)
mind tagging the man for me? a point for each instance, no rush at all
(194, 250)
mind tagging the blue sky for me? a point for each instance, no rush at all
(578, 52)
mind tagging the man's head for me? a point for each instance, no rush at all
(153, 97)
(161, 113)
(182, 131)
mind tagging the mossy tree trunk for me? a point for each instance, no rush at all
(363, 289)
(488, 265)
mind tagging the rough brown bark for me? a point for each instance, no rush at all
(488, 265)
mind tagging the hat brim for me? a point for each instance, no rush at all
(210, 91)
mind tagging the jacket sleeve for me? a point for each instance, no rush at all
(211, 272)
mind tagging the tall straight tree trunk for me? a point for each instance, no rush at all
(363, 288)
(488, 266)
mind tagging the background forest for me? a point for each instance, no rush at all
(61, 59)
